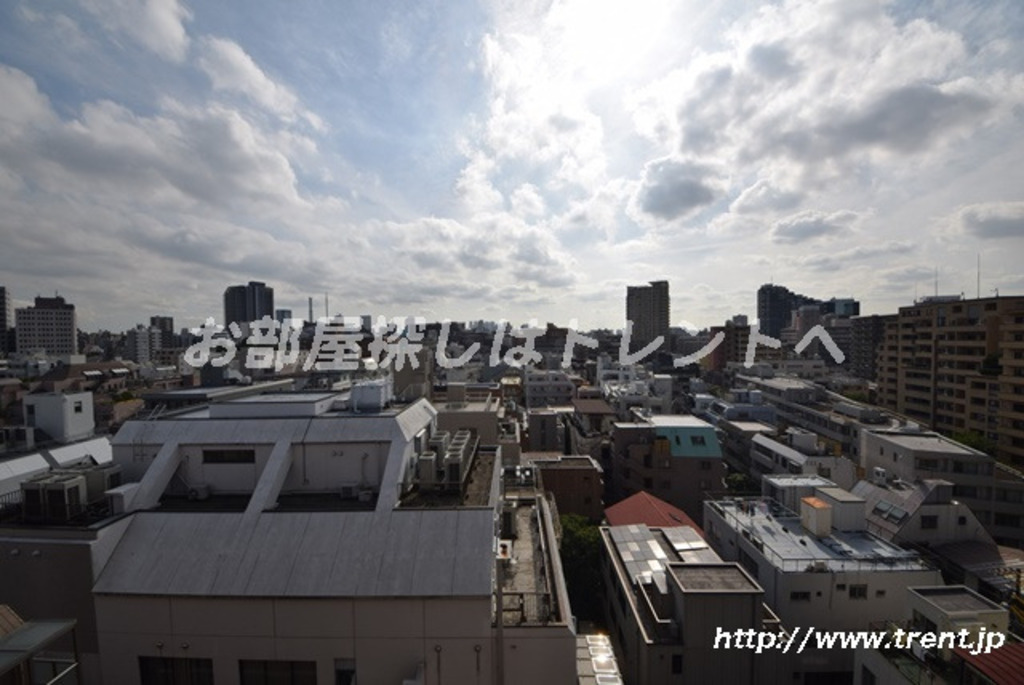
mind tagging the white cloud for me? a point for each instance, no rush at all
(674, 188)
(992, 220)
(158, 25)
(230, 68)
(809, 225)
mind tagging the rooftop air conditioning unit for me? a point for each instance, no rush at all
(33, 497)
(66, 497)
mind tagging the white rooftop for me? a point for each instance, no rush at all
(677, 421)
(793, 549)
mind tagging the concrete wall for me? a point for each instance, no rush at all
(388, 638)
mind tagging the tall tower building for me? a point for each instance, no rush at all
(6, 319)
(647, 306)
(165, 324)
(244, 304)
(50, 325)
(775, 305)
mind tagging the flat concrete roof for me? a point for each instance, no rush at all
(677, 420)
(792, 548)
(840, 495)
(955, 599)
(728, 578)
(930, 443)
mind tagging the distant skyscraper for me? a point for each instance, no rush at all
(143, 343)
(165, 324)
(50, 325)
(775, 305)
(6, 319)
(244, 304)
(282, 315)
(647, 306)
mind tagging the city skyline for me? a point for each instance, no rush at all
(510, 162)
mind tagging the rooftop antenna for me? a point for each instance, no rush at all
(327, 309)
(936, 281)
(979, 275)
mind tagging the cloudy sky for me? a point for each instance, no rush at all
(507, 160)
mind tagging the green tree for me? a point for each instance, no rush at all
(740, 483)
(581, 562)
(975, 440)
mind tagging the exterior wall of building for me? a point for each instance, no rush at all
(642, 462)
(548, 389)
(819, 598)
(993, 491)
(479, 416)
(65, 417)
(50, 575)
(50, 325)
(959, 366)
(576, 485)
(387, 639)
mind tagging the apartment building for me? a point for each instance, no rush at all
(798, 453)
(921, 513)
(675, 458)
(50, 325)
(548, 388)
(867, 335)
(648, 308)
(953, 610)
(957, 366)
(668, 595)
(992, 490)
(819, 567)
(292, 538)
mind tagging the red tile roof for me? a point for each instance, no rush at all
(648, 509)
(1001, 666)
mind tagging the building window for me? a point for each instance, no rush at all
(697, 440)
(277, 672)
(930, 522)
(78, 407)
(159, 670)
(800, 596)
(344, 672)
(677, 664)
(229, 456)
(705, 465)
(961, 520)
(1010, 520)
(858, 592)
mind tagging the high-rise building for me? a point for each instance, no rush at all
(958, 366)
(244, 304)
(775, 305)
(143, 343)
(282, 315)
(647, 306)
(867, 333)
(6, 319)
(50, 325)
(165, 324)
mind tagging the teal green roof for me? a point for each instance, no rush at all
(698, 442)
